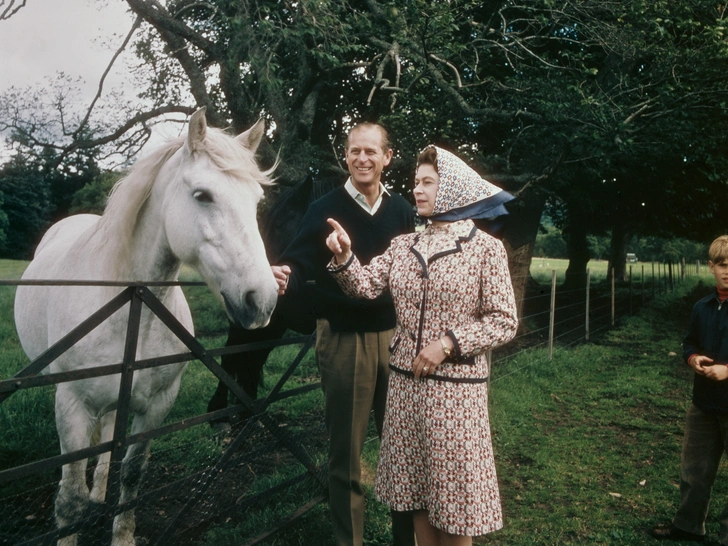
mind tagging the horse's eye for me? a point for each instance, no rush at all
(202, 196)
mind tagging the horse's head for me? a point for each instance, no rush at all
(210, 219)
(281, 221)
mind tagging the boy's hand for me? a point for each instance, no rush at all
(697, 363)
(719, 372)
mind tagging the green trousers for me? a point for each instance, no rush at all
(354, 376)
(704, 443)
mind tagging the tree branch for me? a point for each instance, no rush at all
(84, 121)
(141, 117)
(158, 16)
(11, 9)
(451, 66)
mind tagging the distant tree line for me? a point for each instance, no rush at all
(36, 192)
(551, 243)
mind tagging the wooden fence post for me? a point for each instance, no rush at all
(612, 296)
(553, 313)
(586, 325)
(630, 289)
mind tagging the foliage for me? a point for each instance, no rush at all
(92, 197)
(27, 204)
(4, 223)
(676, 249)
(38, 191)
(550, 244)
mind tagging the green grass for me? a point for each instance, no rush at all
(588, 444)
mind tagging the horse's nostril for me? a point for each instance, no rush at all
(250, 297)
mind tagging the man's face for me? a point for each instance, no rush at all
(720, 272)
(365, 158)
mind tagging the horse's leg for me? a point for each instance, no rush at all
(101, 472)
(75, 426)
(250, 365)
(230, 364)
(132, 469)
(245, 368)
(135, 460)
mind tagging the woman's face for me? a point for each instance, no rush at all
(426, 183)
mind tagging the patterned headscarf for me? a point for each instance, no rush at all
(463, 193)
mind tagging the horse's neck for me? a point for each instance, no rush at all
(142, 252)
(151, 258)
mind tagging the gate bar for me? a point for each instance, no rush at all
(73, 337)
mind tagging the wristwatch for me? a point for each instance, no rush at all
(445, 349)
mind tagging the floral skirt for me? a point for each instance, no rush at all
(437, 455)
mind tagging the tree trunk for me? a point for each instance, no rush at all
(519, 239)
(578, 251)
(618, 253)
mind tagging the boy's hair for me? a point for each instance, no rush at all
(719, 249)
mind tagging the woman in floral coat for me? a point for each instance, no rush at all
(454, 301)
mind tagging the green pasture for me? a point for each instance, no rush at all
(542, 268)
(587, 444)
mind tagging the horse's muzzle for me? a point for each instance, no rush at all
(253, 310)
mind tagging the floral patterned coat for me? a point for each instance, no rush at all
(463, 290)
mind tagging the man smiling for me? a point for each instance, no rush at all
(353, 336)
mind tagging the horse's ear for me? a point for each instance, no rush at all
(196, 130)
(252, 137)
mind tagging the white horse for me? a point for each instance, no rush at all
(192, 202)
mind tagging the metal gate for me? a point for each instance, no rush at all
(198, 484)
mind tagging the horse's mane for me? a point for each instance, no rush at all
(128, 196)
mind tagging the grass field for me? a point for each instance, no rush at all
(587, 444)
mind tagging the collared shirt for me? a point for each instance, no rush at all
(361, 199)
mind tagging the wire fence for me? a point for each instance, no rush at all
(565, 316)
(218, 488)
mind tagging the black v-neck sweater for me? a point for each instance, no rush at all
(307, 256)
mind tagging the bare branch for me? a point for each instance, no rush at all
(484, 113)
(380, 82)
(11, 9)
(157, 15)
(84, 122)
(637, 113)
(140, 118)
(451, 66)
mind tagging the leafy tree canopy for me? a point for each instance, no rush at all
(615, 110)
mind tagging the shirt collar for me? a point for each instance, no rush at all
(361, 200)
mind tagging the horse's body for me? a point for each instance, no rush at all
(193, 201)
(295, 312)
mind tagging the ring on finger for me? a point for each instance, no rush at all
(425, 369)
